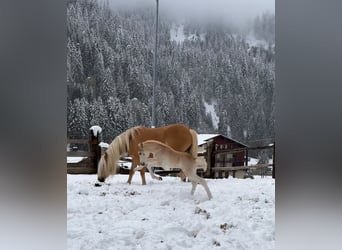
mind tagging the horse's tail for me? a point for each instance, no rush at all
(194, 147)
(201, 163)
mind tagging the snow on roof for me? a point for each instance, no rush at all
(96, 130)
(202, 138)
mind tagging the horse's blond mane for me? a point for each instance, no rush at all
(119, 146)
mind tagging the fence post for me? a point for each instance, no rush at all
(94, 147)
(273, 169)
(246, 157)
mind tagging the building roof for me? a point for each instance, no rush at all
(203, 138)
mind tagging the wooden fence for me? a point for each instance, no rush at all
(89, 158)
(260, 167)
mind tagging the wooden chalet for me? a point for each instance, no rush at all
(216, 150)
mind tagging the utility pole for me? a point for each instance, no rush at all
(154, 69)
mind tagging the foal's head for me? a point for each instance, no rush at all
(143, 155)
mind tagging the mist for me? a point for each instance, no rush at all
(237, 12)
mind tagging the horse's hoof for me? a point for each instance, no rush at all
(100, 179)
(160, 178)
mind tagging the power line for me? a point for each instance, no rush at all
(154, 68)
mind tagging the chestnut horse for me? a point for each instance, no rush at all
(155, 153)
(177, 136)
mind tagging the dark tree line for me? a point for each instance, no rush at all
(109, 75)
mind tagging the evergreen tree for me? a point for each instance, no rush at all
(78, 123)
(117, 116)
(107, 87)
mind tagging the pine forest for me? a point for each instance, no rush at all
(211, 76)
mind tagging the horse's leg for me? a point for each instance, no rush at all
(194, 184)
(138, 168)
(205, 185)
(135, 163)
(142, 174)
(182, 176)
(153, 176)
(192, 177)
(195, 178)
(132, 170)
(152, 162)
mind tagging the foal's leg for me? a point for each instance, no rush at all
(139, 167)
(195, 178)
(192, 177)
(153, 176)
(182, 176)
(152, 162)
(194, 184)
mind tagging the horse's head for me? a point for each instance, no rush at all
(102, 166)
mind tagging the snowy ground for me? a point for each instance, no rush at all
(163, 214)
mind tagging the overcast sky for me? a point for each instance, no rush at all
(239, 11)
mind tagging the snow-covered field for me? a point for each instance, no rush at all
(163, 214)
